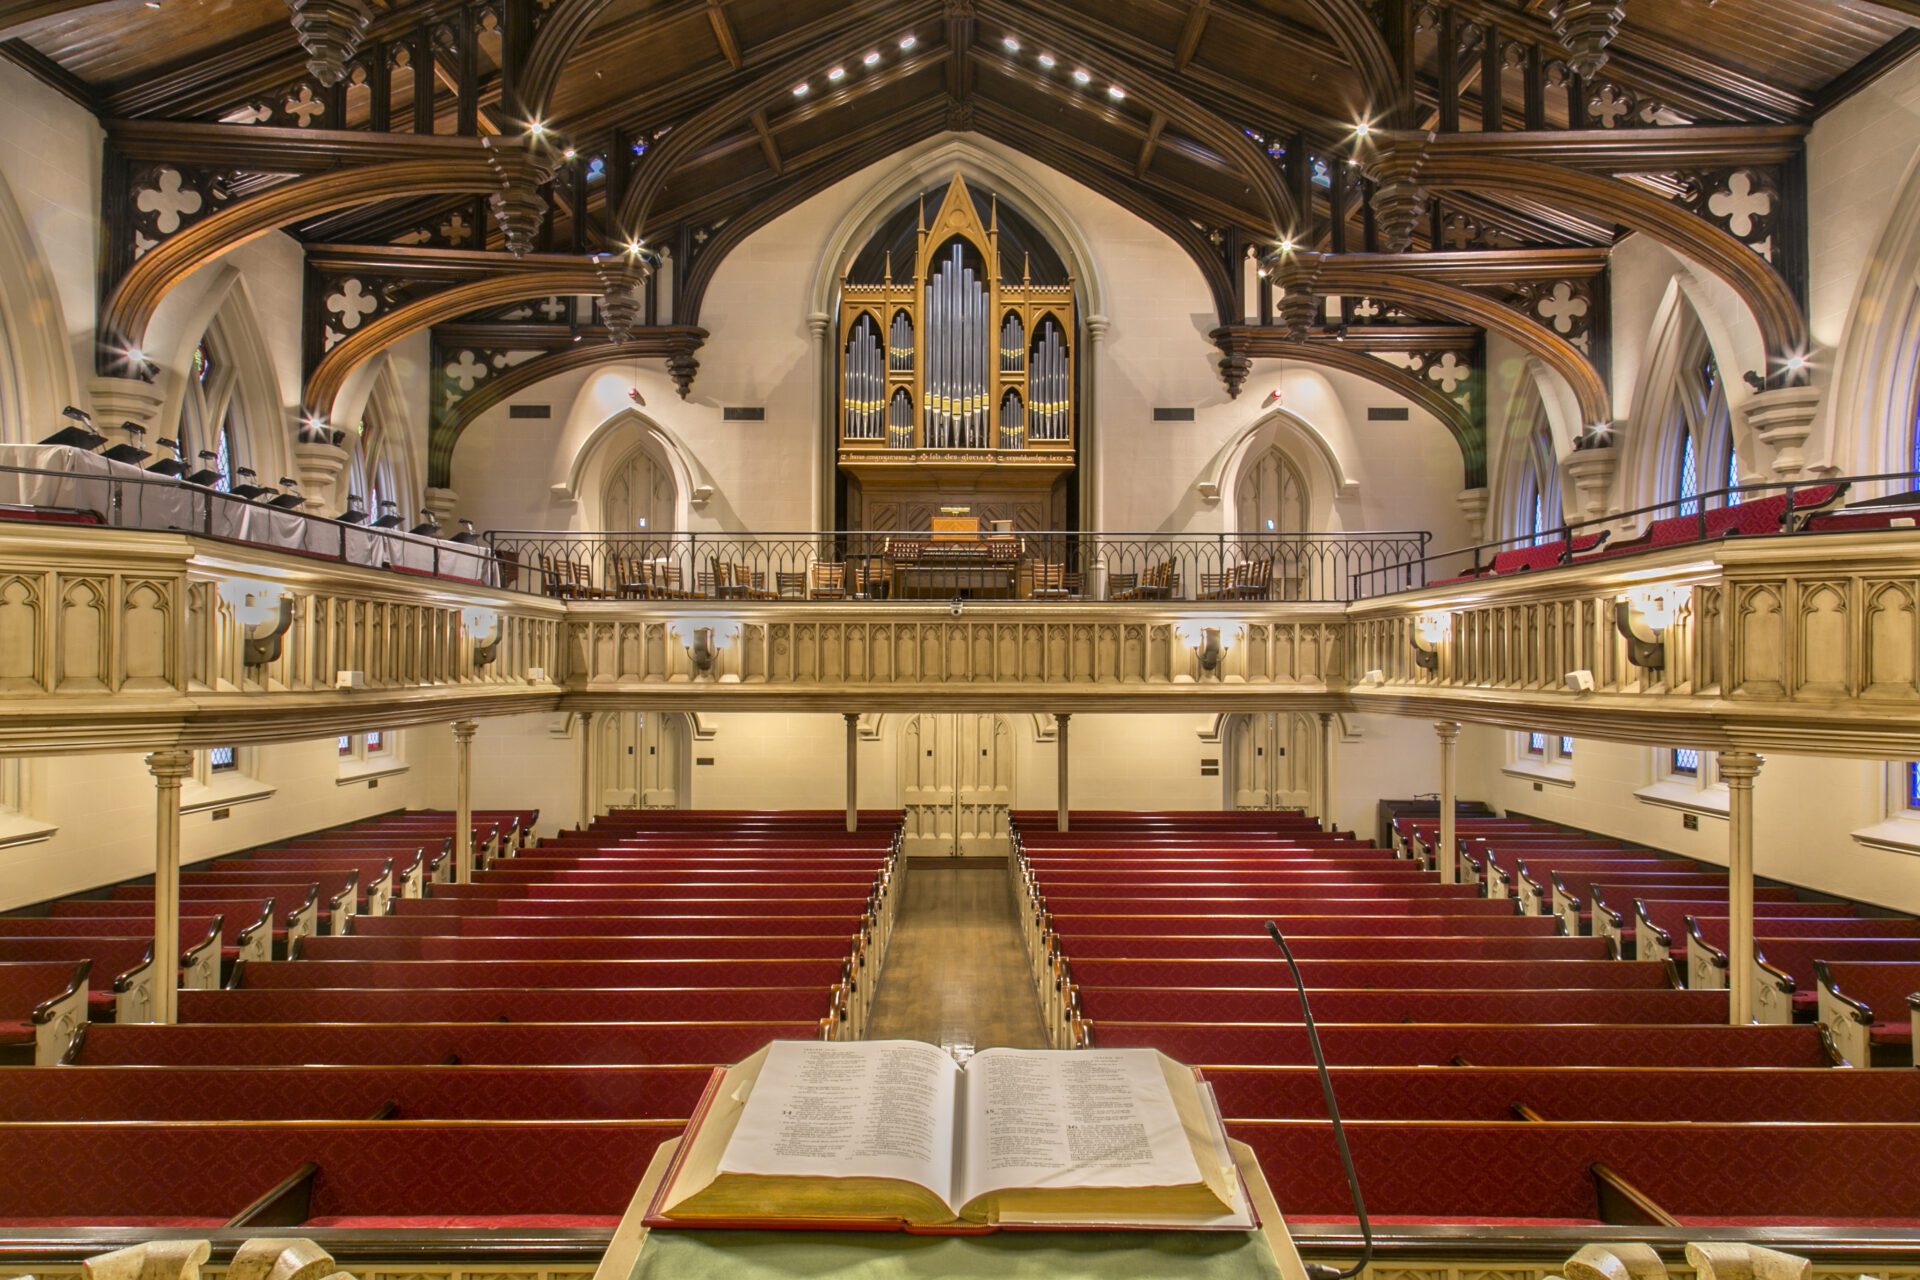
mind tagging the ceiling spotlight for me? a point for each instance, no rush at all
(1115, 92)
(1013, 45)
(800, 90)
(871, 58)
(1362, 130)
(1048, 61)
(634, 248)
(568, 154)
(907, 42)
(1286, 246)
(1082, 76)
(536, 130)
(837, 74)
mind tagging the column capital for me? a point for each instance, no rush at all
(1061, 717)
(1448, 731)
(819, 323)
(463, 730)
(1326, 717)
(851, 717)
(171, 764)
(1739, 767)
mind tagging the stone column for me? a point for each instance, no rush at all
(853, 769)
(824, 457)
(1738, 769)
(1092, 488)
(1060, 747)
(1473, 506)
(587, 809)
(1325, 799)
(463, 731)
(1447, 856)
(169, 768)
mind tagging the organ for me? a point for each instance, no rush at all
(957, 381)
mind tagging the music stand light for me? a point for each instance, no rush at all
(289, 499)
(354, 514)
(132, 452)
(171, 464)
(78, 433)
(389, 516)
(247, 488)
(468, 532)
(208, 476)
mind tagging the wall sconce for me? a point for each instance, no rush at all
(1430, 631)
(1652, 608)
(258, 605)
(704, 642)
(1209, 644)
(483, 627)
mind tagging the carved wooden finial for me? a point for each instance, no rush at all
(330, 31)
(1587, 27)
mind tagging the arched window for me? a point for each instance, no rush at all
(1272, 495)
(1705, 458)
(375, 473)
(1536, 512)
(639, 496)
(209, 414)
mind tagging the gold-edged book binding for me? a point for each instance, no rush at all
(894, 1136)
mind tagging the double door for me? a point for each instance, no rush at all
(956, 783)
(1272, 761)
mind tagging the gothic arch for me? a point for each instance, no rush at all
(1867, 423)
(610, 444)
(226, 314)
(36, 363)
(1663, 416)
(1303, 444)
(1528, 466)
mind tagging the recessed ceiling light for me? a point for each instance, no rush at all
(1013, 45)
(800, 90)
(837, 74)
(1047, 60)
(871, 58)
(1115, 92)
(1082, 76)
(1362, 129)
(537, 129)
(907, 42)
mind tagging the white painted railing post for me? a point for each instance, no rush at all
(1448, 855)
(853, 769)
(463, 731)
(1060, 747)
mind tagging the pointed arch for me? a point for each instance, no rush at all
(1683, 424)
(37, 376)
(1527, 499)
(613, 441)
(1317, 461)
(225, 323)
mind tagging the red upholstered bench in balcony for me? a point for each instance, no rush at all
(353, 1093)
(1705, 1094)
(384, 1174)
(1478, 1044)
(1865, 1009)
(703, 1043)
(1546, 555)
(42, 1005)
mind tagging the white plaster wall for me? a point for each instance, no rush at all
(104, 809)
(1805, 810)
(50, 159)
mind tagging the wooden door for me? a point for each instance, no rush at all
(956, 783)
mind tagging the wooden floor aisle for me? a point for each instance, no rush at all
(956, 973)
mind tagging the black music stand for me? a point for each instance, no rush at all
(132, 451)
(171, 464)
(289, 499)
(78, 433)
(247, 488)
(468, 533)
(208, 476)
(429, 526)
(354, 514)
(389, 516)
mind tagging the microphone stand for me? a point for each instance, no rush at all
(1322, 1270)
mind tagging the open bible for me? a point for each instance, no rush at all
(894, 1134)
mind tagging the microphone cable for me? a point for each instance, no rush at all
(1322, 1270)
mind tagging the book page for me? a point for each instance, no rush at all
(850, 1109)
(1048, 1118)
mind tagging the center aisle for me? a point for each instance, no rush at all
(956, 971)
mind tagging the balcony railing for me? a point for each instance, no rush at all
(858, 567)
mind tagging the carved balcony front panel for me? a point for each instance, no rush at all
(1046, 656)
(124, 639)
(1809, 644)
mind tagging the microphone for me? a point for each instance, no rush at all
(1323, 1270)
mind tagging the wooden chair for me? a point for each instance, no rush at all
(829, 581)
(1124, 586)
(580, 582)
(790, 585)
(630, 579)
(1214, 586)
(1252, 580)
(1050, 581)
(555, 581)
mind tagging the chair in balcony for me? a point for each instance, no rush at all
(790, 584)
(829, 581)
(1252, 580)
(1050, 581)
(580, 582)
(1214, 586)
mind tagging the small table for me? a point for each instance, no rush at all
(1266, 1254)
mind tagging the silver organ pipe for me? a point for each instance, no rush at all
(1013, 420)
(1013, 346)
(900, 344)
(900, 420)
(865, 382)
(1049, 385)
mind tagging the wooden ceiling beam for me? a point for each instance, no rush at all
(1145, 162)
(767, 145)
(1190, 33)
(813, 108)
(1389, 95)
(723, 34)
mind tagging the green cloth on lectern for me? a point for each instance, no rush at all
(1007, 1255)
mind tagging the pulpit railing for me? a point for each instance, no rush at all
(864, 567)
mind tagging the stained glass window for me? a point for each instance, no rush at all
(224, 461)
(1686, 762)
(376, 742)
(1536, 744)
(1913, 784)
(346, 744)
(1689, 485)
(222, 759)
(1566, 747)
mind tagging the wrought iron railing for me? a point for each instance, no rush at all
(1753, 510)
(892, 567)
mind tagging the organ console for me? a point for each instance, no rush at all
(957, 382)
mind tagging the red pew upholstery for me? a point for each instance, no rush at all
(516, 1004)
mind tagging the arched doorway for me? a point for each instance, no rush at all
(639, 495)
(641, 760)
(1272, 761)
(956, 783)
(1272, 495)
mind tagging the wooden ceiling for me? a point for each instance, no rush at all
(1081, 85)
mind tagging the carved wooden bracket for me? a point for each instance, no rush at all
(623, 280)
(518, 207)
(330, 31)
(1587, 27)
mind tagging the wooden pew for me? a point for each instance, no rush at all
(1866, 1010)
(42, 1005)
